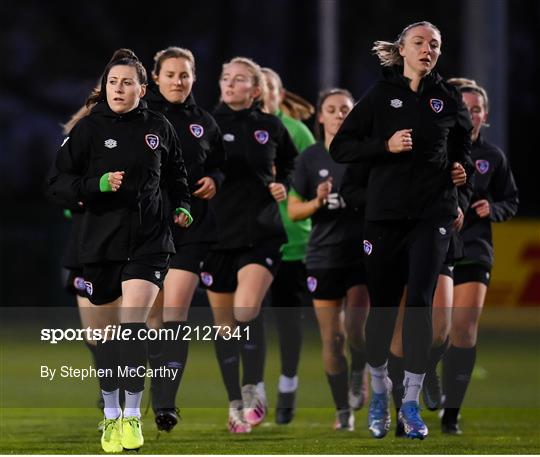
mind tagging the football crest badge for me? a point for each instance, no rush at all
(261, 136)
(206, 278)
(436, 104)
(368, 247)
(152, 141)
(482, 166)
(311, 283)
(196, 130)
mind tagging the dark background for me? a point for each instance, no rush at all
(52, 54)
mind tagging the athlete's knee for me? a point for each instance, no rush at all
(334, 342)
(356, 335)
(246, 313)
(440, 333)
(465, 336)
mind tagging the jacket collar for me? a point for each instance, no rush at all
(224, 109)
(394, 75)
(103, 108)
(153, 95)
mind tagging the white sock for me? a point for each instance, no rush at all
(261, 391)
(412, 384)
(380, 383)
(287, 385)
(111, 401)
(133, 404)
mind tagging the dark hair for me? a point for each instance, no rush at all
(170, 53)
(323, 95)
(388, 52)
(121, 56)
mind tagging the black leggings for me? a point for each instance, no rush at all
(400, 253)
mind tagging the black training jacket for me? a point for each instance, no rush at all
(336, 237)
(204, 155)
(259, 151)
(415, 184)
(131, 222)
(493, 181)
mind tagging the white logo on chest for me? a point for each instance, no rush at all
(323, 173)
(228, 137)
(110, 143)
(396, 103)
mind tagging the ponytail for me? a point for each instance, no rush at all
(388, 52)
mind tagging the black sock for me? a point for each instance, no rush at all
(396, 374)
(339, 386)
(154, 360)
(358, 358)
(154, 353)
(253, 350)
(133, 354)
(436, 355)
(289, 326)
(228, 355)
(174, 356)
(107, 359)
(457, 369)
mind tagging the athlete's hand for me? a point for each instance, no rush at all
(278, 191)
(400, 141)
(459, 176)
(207, 189)
(181, 220)
(323, 190)
(482, 208)
(458, 222)
(115, 180)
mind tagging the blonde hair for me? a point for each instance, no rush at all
(466, 85)
(76, 117)
(460, 81)
(388, 52)
(292, 104)
(256, 72)
(170, 53)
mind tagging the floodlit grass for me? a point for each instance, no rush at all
(501, 415)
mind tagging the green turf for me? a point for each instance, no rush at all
(502, 413)
(202, 431)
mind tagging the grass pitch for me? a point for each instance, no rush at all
(501, 414)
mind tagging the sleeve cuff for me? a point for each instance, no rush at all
(180, 210)
(104, 185)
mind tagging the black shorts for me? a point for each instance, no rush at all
(104, 280)
(447, 270)
(471, 272)
(333, 283)
(189, 257)
(220, 269)
(288, 290)
(75, 284)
